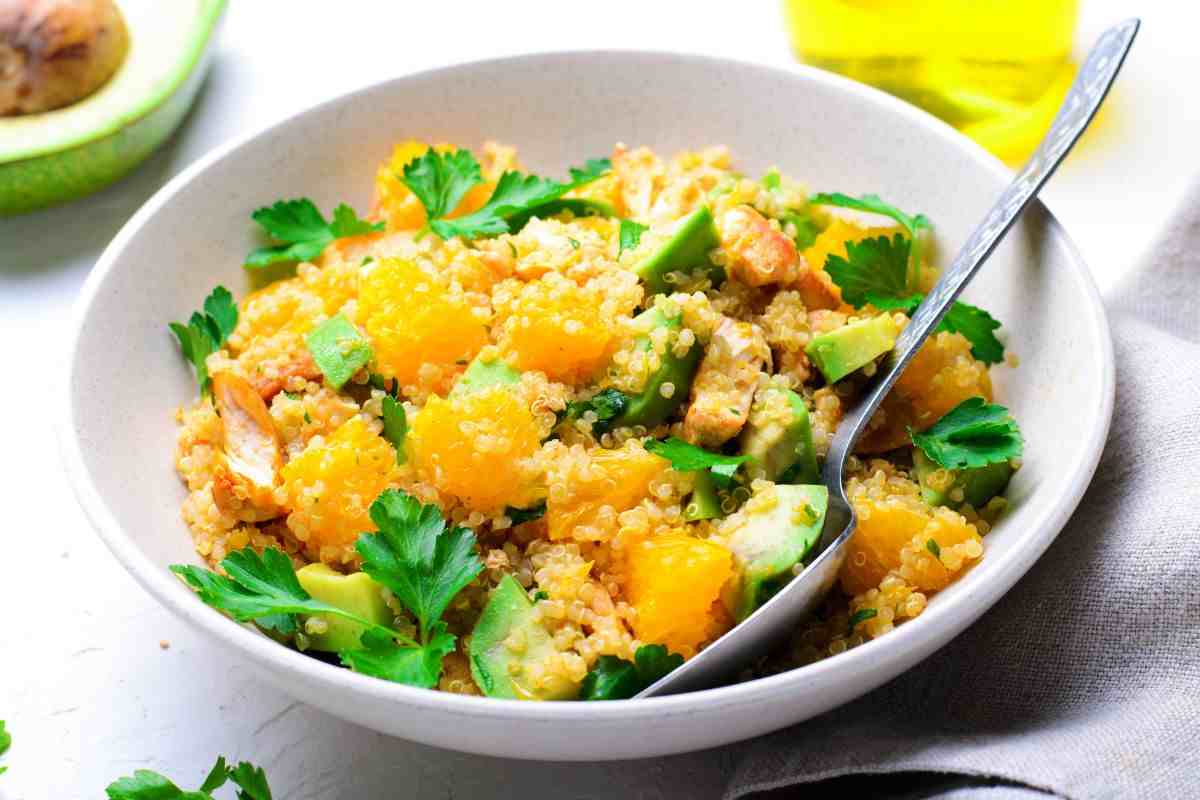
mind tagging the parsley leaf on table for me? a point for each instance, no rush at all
(974, 433)
(205, 332)
(251, 781)
(217, 776)
(630, 234)
(146, 784)
(263, 589)
(685, 457)
(303, 232)
(5, 742)
(615, 678)
(439, 181)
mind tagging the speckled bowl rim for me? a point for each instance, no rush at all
(882, 658)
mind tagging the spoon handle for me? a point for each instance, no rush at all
(1091, 85)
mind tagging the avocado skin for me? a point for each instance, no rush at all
(839, 352)
(650, 408)
(481, 375)
(687, 249)
(356, 593)
(978, 484)
(508, 609)
(767, 547)
(704, 502)
(781, 450)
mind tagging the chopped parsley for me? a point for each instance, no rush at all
(771, 180)
(974, 433)
(519, 515)
(932, 546)
(541, 594)
(301, 230)
(615, 678)
(440, 180)
(860, 616)
(630, 235)
(607, 404)
(206, 331)
(146, 784)
(338, 349)
(425, 566)
(685, 457)
(395, 425)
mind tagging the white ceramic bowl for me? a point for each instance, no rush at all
(125, 374)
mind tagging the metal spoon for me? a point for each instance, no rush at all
(766, 627)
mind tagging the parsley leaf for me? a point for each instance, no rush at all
(972, 434)
(217, 776)
(419, 666)
(519, 515)
(338, 350)
(263, 589)
(251, 780)
(873, 269)
(205, 332)
(441, 180)
(395, 425)
(414, 555)
(932, 546)
(146, 784)
(592, 169)
(607, 404)
(978, 326)
(304, 233)
(5, 742)
(513, 193)
(871, 203)
(686, 457)
(862, 615)
(630, 234)
(615, 678)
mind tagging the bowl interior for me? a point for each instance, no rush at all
(126, 375)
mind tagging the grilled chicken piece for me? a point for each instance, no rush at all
(725, 383)
(759, 252)
(252, 456)
(641, 175)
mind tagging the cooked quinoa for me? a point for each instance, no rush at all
(623, 555)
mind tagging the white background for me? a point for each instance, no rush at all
(84, 685)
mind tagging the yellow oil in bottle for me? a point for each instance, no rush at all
(995, 69)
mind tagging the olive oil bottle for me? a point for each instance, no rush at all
(995, 69)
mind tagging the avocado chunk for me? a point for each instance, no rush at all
(482, 374)
(940, 487)
(840, 352)
(770, 543)
(778, 439)
(684, 251)
(356, 593)
(651, 408)
(507, 640)
(705, 502)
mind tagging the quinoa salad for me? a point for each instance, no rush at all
(545, 439)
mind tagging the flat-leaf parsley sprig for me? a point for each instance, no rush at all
(685, 457)
(146, 784)
(873, 204)
(206, 332)
(302, 232)
(441, 180)
(974, 433)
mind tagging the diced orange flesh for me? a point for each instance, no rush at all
(941, 375)
(331, 485)
(893, 533)
(413, 321)
(674, 580)
(470, 447)
(617, 481)
(396, 205)
(557, 328)
(820, 291)
(244, 484)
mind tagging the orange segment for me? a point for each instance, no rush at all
(414, 322)
(674, 580)
(556, 327)
(331, 485)
(584, 502)
(472, 447)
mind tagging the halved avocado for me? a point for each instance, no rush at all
(650, 408)
(357, 593)
(59, 155)
(686, 250)
(978, 485)
(508, 638)
(770, 543)
(839, 352)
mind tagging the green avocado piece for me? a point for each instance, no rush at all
(482, 374)
(704, 503)
(650, 408)
(507, 639)
(770, 543)
(840, 352)
(778, 439)
(686, 249)
(59, 155)
(356, 593)
(978, 484)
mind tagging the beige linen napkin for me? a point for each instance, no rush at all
(1084, 680)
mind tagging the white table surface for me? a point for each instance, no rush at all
(84, 685)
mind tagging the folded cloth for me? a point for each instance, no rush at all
(1084, 680)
